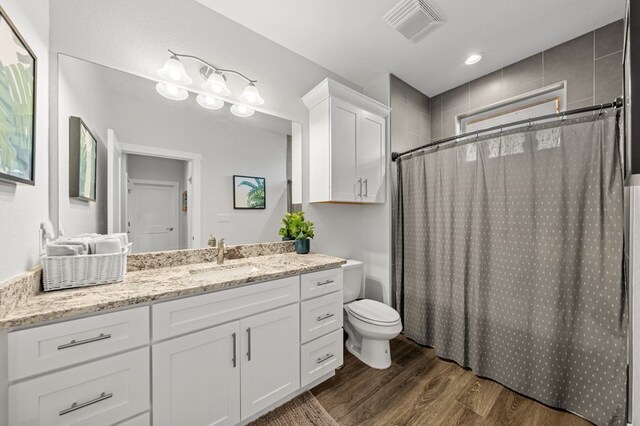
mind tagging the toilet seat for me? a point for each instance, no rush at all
(373, 312)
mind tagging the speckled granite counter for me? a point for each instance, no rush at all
(158, 284)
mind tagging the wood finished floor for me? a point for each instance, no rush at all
(421, 389)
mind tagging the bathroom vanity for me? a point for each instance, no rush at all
(188, 344)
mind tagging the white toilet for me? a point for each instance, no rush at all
(369, 324)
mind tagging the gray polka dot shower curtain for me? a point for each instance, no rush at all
(508, 260)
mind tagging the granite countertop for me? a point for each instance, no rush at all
(149, 285)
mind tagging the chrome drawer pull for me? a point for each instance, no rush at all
(75, 406)
(74, 342)
(324, 317)
(324, 282)
(324, 358)
(249, 344)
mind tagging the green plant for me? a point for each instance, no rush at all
(295, 226)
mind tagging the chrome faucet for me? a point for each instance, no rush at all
(221, 251)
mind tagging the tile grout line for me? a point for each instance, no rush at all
(607, 55)
(594, 67)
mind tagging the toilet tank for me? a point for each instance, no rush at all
(353, 275)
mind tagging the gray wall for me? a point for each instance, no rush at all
(410, 116)
(591, 64)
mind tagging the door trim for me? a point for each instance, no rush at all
(194, 216)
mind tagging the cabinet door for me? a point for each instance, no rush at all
(196, 378)
(371, 158)
(345, 128)
(270, 358)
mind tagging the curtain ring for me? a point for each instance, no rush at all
(600, 112)
(477, 135)
(501, 125)
(563, 117)
(530, 122)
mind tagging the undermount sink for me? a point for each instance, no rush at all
(222, 273)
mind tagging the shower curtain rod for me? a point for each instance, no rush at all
(617, 103)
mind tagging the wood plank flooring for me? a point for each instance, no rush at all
(421, 389)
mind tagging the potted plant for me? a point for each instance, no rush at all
(287, 232)
(304, 232)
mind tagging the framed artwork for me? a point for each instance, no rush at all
(249, 192)
(17, 105)
(83, 161)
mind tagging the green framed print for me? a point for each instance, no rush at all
(17, 105)
(83, 161)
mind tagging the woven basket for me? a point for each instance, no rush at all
(59, 272)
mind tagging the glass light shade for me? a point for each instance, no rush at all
(209, 102)
(251, 95)
(171, 91)
(174, 71)
(216, 84)
(240, 110)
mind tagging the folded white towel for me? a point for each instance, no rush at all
(81, 245)
(108, 246)
(124, 238)
(62, 250)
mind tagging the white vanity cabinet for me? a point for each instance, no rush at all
(220, 358)
(348, 142)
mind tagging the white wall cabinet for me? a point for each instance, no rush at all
(348, 144)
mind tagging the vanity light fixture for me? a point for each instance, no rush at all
(215, 84)
(473, 59)
(171, 91)
(209, 101)
(240, 110)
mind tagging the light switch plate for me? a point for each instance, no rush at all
(223, 218)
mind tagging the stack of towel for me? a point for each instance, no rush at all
(84, 244)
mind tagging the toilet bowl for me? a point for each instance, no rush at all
(369, 324)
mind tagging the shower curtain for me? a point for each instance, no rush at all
(508, 260)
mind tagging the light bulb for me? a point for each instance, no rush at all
(174, 71)
(171, 91)
(209, 102)
(473, 59)
(216, 84)
(251, 95)
(240, 110)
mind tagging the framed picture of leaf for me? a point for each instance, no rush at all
(17, 105)
(83, 161)
(249, 192)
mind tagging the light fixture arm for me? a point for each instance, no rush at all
(181, 55)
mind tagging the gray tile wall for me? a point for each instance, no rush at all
(591, 64)
(410, 120)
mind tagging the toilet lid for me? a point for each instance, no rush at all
(371, 310)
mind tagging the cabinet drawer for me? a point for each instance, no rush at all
(199, 312)
(320, 316)
(321, 356)
(99, 393)
(141, 420)
(49, 347)
(322, 282)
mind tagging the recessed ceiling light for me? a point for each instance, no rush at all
(473, 59)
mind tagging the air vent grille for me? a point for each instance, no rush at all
(414, 19)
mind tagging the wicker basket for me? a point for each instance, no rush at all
(60, 272)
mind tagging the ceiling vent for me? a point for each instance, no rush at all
(414, 19)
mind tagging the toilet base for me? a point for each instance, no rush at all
(374, 353)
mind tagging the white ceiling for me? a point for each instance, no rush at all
(350, 38)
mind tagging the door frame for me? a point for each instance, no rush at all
(194, 183)
(166, 183)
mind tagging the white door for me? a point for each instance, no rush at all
(371, 158)
(345, 127)
(196, 378)
(153, 210)
(115, 173)
(270, 352)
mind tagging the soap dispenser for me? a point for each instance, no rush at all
(212, 241)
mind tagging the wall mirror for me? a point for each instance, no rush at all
(165, 169)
